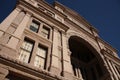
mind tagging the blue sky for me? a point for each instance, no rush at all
(102, 14)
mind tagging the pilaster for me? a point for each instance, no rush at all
(66, 58)
(55, 68)
(7, 22)
(117, 74)
(106, 64)
(113, 72)
(51, 31)
(19, 31)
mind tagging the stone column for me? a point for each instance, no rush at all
(80, 74)
(76, 71)
(115, 69)
(108, 68)
(6, 23)
(116, 78)
(66, 58)
(18, 33)
(105, 60)
(55, 58)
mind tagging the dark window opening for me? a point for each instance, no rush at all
(100, 73)
(34, 26)
(93, 74)
(14, 76)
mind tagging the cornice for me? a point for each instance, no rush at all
(51, 8)
(94, 29)
(56, 3)
(76, 16)
(30, 8)
(107, 44)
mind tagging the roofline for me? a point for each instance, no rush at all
(76, 15)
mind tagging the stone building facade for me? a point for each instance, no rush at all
(43, 42)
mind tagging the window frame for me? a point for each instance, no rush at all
(47, 28)
(42, 24)
(36, 23)
(23, 49)
(40, 57)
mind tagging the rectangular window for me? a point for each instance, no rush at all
(45, 32)
(34, 26)
(15, 76)
(40, 57)
(26, 50)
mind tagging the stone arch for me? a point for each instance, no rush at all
(80, 65)
(86, 39)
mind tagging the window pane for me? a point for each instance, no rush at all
(34, 26)
(41, 52)
(45, 35)
(27, 46)
(25, 51)
(42, 61)
(36, 62)
(39, 62)
(45, 32)
(40, 57)
(24, 56)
